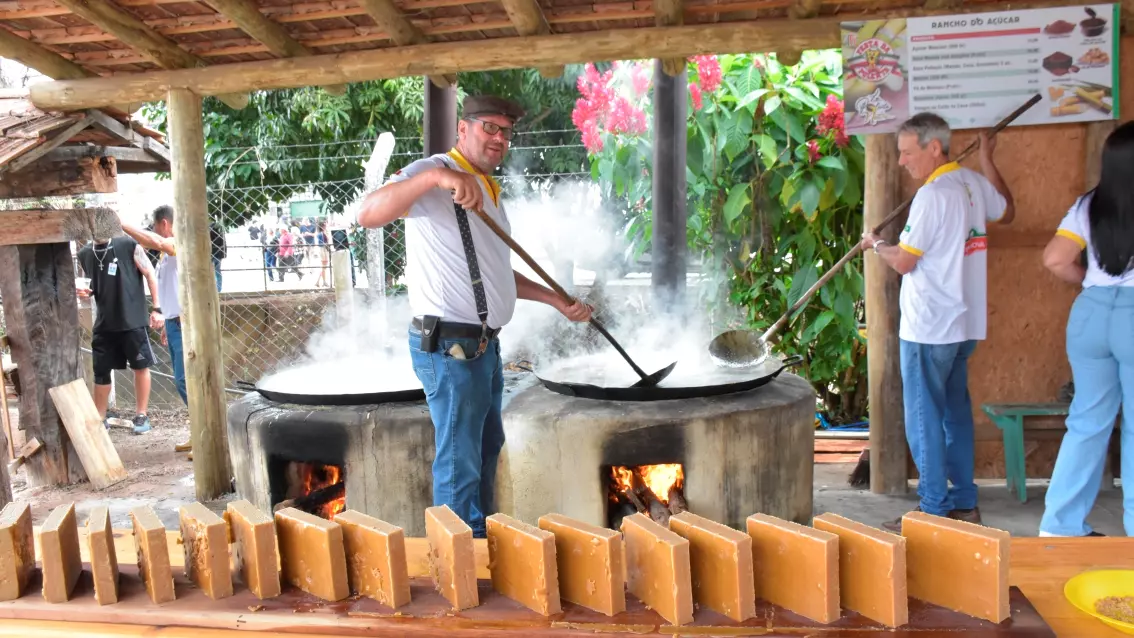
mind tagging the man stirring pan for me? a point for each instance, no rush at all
(462, 291)
(943, 260)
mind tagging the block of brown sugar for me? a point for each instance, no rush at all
(720, 560)
(17, 549)
(452, 563)
(872, 569)
(312, 555)
(957, 565)
(589, 561)
(795, 567)
(521, 559)
(153, 554)
(376, 558)
(59, 548)
(254, 553)
(204, 537)
(657, 568)
(104, 560)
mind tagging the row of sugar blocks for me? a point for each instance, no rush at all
(310, 553)
(813, 571)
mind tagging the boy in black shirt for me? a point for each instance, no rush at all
(116, 269)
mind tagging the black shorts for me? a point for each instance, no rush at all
(115, 350)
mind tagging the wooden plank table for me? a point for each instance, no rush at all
(1039, 568)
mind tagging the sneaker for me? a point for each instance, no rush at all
(141, 424)
(106, 424)
(968, 516)
(1096, 534)
(183, 447)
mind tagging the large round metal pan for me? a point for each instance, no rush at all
(662, 393)
(364, 398)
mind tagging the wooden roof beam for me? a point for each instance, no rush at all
(121, 131)
(136, 34)
(528, 19)
(271, 34)
(390, 19)
(670, 13)
(800, 10)
(444, 58)
(58, 140)
(36, 57)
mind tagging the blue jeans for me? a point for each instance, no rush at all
(217, 272)
(1100, 347)
(939, 423)
(176, 355)
(464, 398)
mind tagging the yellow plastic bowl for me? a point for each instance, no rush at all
(1086, 588)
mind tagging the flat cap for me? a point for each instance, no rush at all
(491, 105)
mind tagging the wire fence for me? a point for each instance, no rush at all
(276, 274)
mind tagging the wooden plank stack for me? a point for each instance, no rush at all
(814, 572)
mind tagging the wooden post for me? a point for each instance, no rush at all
(669, 245)
(37, 282)
(888, 451)
(200, 303)
(440, 118)
(343, 282)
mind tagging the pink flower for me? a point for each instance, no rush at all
(708, 72)
(841, 139)
(640, 80)
(813, 151)
(695, 93)
(592, 139)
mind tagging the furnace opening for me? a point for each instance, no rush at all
(314, 488)
(655, 490)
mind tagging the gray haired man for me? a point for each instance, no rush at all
(943, 260)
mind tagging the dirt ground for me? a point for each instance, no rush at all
(157, 476)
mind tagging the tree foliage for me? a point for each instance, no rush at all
(291, 140)
(775, 196)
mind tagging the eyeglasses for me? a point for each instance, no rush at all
(492, 128)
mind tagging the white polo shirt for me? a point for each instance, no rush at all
(167, 286)
(437, 272)
(944, 298)
(1076, 226)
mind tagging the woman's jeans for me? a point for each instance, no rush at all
(939, 423)
(1100, 347)
(464, 398)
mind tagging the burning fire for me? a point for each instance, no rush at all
(316, 477)
(657, 478)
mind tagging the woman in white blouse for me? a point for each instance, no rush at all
(1100, 340)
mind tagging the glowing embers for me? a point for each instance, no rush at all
(654, 490)
(314, 488)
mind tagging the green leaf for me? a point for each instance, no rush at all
(737, 201)
(815, 327)
(806, 98)
(832, 162)
(828, 198)
(769, 152)
(809, 198)
(801, 281)
(852, 194)
(771, 105)
(695, 154)
(749, 101)
(789, 122)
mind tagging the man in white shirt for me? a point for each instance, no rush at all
(462, 291)
(943, 260)
(161, 240)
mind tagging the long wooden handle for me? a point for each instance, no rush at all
(494, 227)
(783, 321)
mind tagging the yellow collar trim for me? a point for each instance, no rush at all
(490, 183)
(941, 170)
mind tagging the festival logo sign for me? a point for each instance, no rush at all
(976, 242)
(874, 75)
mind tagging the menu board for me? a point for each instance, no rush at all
(975, 69)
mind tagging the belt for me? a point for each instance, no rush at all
(454, 330)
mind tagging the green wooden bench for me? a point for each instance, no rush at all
(1009, 417)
